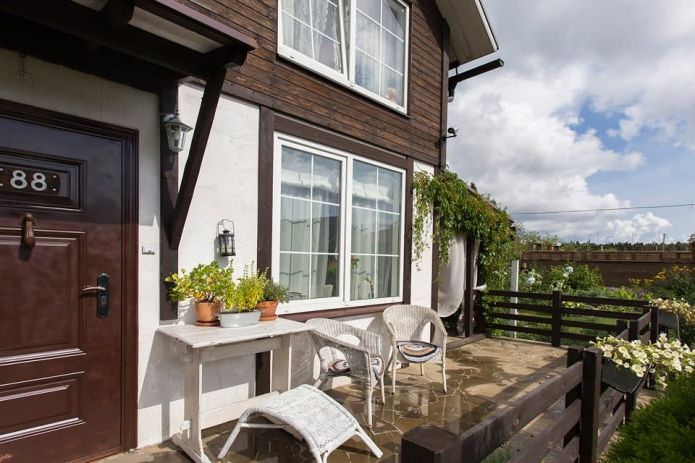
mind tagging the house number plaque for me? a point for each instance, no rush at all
(18, 179)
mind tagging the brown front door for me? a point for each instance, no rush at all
(62, 365)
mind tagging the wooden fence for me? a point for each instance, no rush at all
(549, 316)
(592, 410)
(592, 413)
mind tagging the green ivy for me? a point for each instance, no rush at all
(456, 210)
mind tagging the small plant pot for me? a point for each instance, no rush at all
(267, 309)
(619, 378)
(668, 319)
(239, 319)
(207, 312)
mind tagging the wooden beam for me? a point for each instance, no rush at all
(199, 141)
(80, 21)
(168, 189)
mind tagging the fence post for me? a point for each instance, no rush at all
(556, 336)
(632, 330)
(574, 355)
(430, 444)
(591, 395)
(654, 324)
(621, 325)
(479, 320)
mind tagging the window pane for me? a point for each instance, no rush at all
(393, 52)
(294, 273)
(327, 52)
(296, 173)
(371, 8)
(366, 72)
(325, 15)
(394, 18)
(362, 278)
(297, 8)
(324, 276)
(392, 86)
(364, 191)
(326, 180)
(326, 228)
(294, 225)
(296, 35)
(389, 234)
(390, 187)
(367, 35)
(388, 276)
(363, 231)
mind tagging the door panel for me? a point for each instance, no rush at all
(61, 366)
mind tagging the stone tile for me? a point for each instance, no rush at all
(480, 377)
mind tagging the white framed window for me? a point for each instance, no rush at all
(362, 44)
(337, 227)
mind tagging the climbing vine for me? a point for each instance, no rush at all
(456, 209)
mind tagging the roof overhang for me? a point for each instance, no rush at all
(470, 34)
(161, 32)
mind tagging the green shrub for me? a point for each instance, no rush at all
(664, 431)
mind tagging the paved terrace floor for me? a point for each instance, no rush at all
(481, 377)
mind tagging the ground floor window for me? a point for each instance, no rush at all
(337, 226)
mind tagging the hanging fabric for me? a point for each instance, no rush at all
(452, 278)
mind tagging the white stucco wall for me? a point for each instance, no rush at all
(227, 188)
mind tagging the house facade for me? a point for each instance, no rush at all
(309, 118)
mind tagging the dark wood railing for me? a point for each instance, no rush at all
(592, 410)
(580, 432)
(547, 316)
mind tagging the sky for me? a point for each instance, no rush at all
(594, 108)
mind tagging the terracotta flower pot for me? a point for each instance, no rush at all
(207, 312)
(267, 309)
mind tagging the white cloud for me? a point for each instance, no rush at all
(625, 58)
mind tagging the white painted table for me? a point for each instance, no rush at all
(205, 345)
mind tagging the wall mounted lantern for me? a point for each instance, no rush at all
(176, 131)
(225, 238)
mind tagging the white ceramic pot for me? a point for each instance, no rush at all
(239, 319)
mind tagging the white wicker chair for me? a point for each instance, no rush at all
(363, 362)
(406, 324)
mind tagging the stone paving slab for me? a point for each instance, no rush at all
(481, 377)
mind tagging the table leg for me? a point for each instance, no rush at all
(189, 439)
(281, 366)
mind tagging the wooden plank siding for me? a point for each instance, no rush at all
(269, 80)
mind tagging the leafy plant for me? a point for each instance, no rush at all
(204, 283)
(663, 431)
(248, 292)
(274, 291)
(456, 208)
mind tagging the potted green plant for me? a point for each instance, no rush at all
(207, 284)
(240, 302)
(273, 294)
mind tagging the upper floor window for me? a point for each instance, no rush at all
(362, 44)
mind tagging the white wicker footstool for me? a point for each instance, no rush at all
(310, 414)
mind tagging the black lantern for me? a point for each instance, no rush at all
(225, 238)
(176, 131)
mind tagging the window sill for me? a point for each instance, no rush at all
(339, 313)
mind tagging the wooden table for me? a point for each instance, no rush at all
(205, 345)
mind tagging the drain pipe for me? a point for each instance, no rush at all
(482, 69)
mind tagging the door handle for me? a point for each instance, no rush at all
(27, 222)
(102, 293)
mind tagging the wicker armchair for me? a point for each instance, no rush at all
(406, 324)
(363, 362)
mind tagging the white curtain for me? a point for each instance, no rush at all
(452, 279)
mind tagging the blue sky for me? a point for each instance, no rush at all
(588, 112)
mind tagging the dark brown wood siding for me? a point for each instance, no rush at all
(272, 81)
